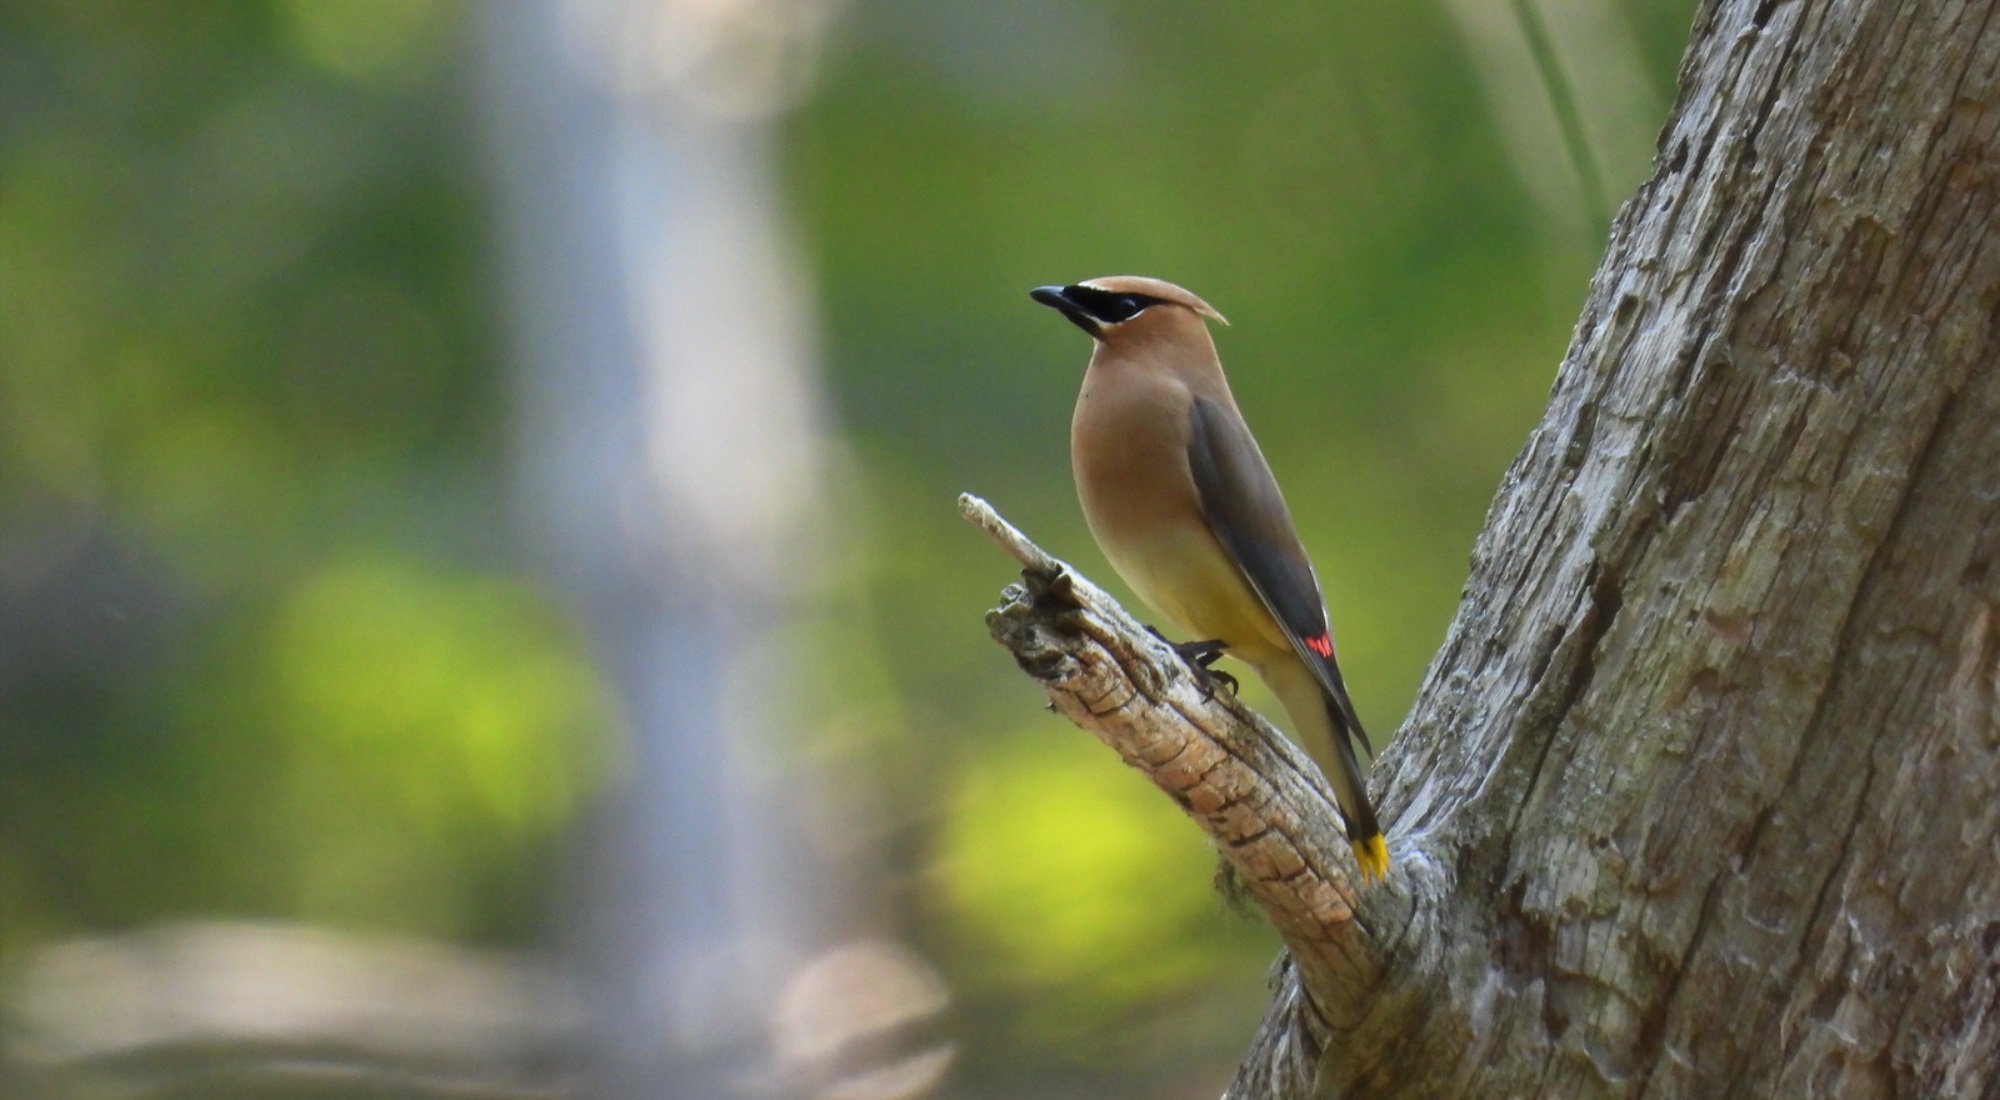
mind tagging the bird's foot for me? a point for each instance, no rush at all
(1199, 656)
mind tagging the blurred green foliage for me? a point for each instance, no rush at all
(262, 654)
(267, 650)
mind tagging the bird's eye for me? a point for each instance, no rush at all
(1107, 307)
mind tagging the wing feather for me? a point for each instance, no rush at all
(1244, 508)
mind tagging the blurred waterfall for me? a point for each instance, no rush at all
(670, 460)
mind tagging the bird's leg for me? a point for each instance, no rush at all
(1200, 656)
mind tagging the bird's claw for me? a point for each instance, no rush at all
(1223, 678)
(1199, 656)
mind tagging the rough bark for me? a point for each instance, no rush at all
(1701, 796)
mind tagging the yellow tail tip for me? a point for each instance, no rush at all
(1372, 853)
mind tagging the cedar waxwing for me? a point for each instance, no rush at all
(1180, 498)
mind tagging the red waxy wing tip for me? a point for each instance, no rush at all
(1320, 644)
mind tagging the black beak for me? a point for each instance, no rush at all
(1057, 298)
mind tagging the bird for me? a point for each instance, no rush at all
(1181, 500)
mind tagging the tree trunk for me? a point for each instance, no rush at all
(1700, 797)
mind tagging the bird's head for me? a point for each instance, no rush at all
(1109, 306)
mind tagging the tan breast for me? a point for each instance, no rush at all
(1128, 449)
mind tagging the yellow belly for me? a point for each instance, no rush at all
(1182, 573)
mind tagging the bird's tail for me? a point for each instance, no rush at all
(1350, 788)
(1329, 730)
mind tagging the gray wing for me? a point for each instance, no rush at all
(1246, 512)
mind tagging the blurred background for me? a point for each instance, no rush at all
(482, 609)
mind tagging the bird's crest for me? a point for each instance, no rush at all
(1154, 288)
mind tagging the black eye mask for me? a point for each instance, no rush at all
(1109, 307)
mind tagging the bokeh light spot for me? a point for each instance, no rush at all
(1073, 868)
(425, 707)
(367, 41)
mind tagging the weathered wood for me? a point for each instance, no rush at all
(1712, 739)
(1702, 793)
